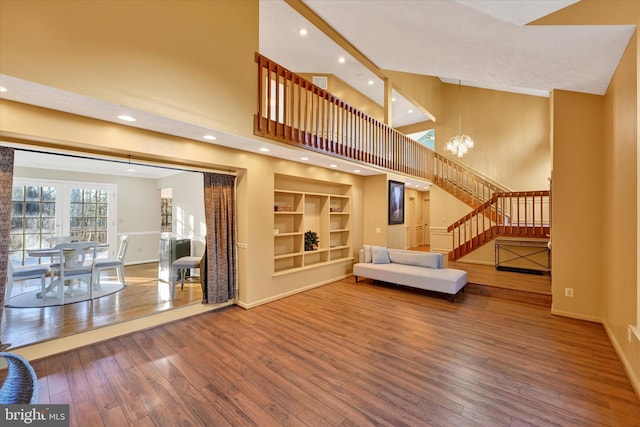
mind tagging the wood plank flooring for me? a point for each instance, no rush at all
(487, 280)
(143, 295)
(348, 354)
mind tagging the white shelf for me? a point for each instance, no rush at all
(326, 214)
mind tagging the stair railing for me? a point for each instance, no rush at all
(294, 111)
(509, 214)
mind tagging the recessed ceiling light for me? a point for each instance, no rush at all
(370, 82)
(341, 60)
(393, 99)
(304, 158)
(333, 166)
(410, 111)
(303, 31)
(131, 170)
(356, 171)
(127, 118)
(3, 89)
(264, 150)
(209, 137)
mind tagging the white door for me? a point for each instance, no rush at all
(426, 239)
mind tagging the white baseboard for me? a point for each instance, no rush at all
(576, 316)
(635, 381)
(287, 294)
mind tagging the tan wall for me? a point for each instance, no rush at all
(348, 94)
(577, 212)
(620, 192)
(423, 91)
(620, 159)
(510, 131)
(173, 64)
(255, 187)
(375, 211)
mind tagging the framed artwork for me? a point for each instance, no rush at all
(396, 202)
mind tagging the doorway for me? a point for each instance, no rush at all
(133, 207)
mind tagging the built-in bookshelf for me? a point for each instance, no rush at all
(296, 212)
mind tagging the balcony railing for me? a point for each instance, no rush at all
(294, 111)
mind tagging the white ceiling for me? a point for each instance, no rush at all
(481, 42)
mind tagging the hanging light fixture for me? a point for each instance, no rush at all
(460, 144)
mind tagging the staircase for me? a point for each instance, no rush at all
(506, 214)
(294, 111)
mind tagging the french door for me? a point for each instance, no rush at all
(41, 210)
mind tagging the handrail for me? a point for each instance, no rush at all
(294, 111)
(513, 214)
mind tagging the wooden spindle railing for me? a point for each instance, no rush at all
(294, 111)
(508, 214)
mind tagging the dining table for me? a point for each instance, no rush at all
(72, 259)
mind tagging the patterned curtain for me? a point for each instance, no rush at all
(218, 272)
(6, 185)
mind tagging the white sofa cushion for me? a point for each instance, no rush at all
(420, 259)
(367, 253)
(379, 255)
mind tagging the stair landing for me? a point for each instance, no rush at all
(487, 280)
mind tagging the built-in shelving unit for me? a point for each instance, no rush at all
(295, 212)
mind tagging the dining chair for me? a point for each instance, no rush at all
(180, 267)
(25, 272)
(112, 263)
(71, 266)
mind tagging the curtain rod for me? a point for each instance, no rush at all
(122, 161)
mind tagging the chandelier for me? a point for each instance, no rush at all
(460, 144)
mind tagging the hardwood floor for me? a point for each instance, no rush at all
(349, 354)
(486, 280)
(143, 295)
(147, 295)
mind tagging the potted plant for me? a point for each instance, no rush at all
(311, 241)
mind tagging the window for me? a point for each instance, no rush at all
(41, 210)
(33, 219)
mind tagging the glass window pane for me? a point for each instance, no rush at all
(32, 225)
(90, 223)
(76, 195)
(32, 209)
(16, 242)
(17, 225)
(17, 193)
(32, 241)
(48, 209)
(32, 193)
(89, 210)
(48, 194)
(89, 196)
(48, 225)
(102, 196)
(103, 209)
(17, 209)
(76, 209)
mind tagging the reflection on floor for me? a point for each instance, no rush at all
(144, 295)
